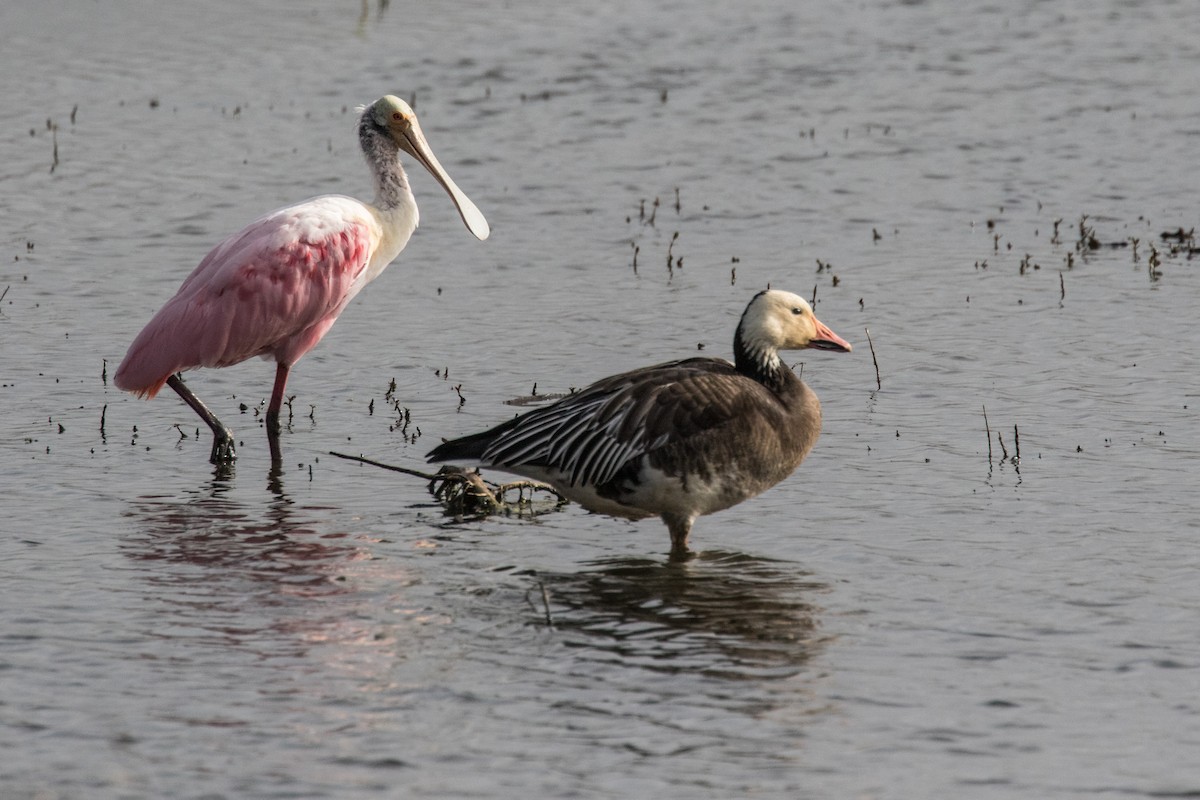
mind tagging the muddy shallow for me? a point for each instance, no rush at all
(906, 617)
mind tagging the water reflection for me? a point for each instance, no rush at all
(226, 567)
(721, 613)
(364, 15)
(212, 528)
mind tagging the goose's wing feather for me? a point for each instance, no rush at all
(589, 436)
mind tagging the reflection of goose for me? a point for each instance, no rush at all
(722, 613)
(675, 440)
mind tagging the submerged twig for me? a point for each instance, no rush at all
(988, 429)
(878, 381)
(364, 460)
(53, 138)
(542, 586)
(463, 492)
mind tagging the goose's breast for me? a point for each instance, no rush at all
(655, 489)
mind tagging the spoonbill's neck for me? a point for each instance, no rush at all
(395, 206)
(392, 193)
(391, 183)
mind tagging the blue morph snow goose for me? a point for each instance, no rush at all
(676, 440)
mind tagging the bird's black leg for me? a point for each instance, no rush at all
(223, 450)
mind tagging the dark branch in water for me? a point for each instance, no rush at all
(878, 382)
(364, 460)
(542, 586)
(988, 429)
(465, 493)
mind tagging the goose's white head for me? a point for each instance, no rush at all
(777, 320)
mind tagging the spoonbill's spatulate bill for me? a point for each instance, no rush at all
(276, 287)
(675, 440)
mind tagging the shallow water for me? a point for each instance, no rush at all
(914, 614)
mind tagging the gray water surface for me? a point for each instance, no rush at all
(915, 613)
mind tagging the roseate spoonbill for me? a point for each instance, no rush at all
(277, 286)
(676, 440)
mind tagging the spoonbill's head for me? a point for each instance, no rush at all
(395, 117)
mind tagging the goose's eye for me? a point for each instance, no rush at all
(797, 311)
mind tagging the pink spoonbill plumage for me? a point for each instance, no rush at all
(276, 287)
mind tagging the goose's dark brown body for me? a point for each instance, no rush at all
(676, 440)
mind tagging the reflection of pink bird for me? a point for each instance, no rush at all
(276, 287)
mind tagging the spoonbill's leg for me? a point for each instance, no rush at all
(273, 443)
(223, 450)
(281, 376)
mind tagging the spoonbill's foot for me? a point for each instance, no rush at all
(223, 450)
